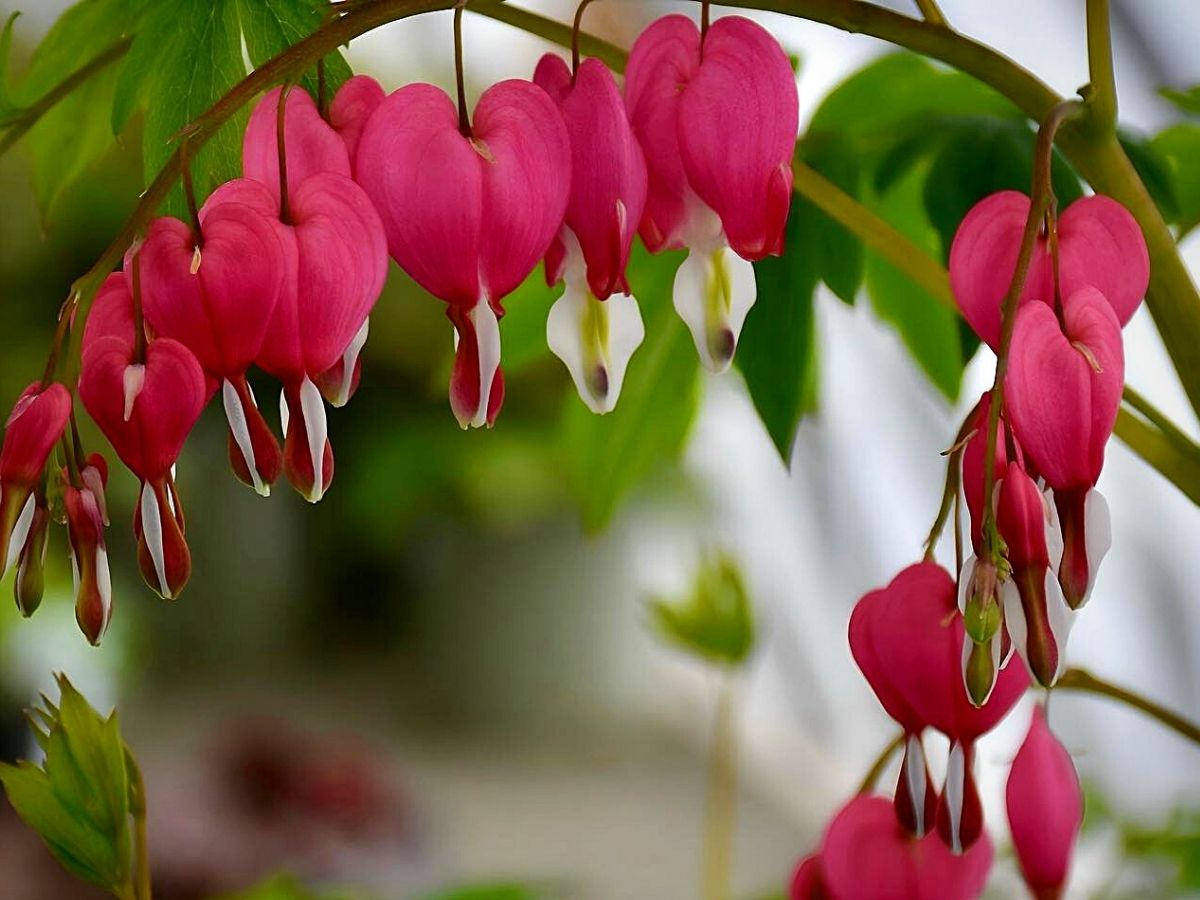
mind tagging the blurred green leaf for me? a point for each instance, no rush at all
(271, 26)
(78, 799)
(898, 89)
(607, 456)
(1187, 100)
(6, 101)
(927, 326)
(1179, 147)
(77, 36)
(1155, 172)
(838, 252)
(716, 621)
(491, 892)
(186, 55)
(523, 331)
(777, 351)
(286, 887)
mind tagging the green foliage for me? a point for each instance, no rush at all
(606, 456)
(1155, 172)
(491, 892)
(1186, 100)
(716, 621)
(1172, 848)
(79, 799)
(1179, 147)
(271, 26)
(7, 105)
(285, 887)
(777, 352)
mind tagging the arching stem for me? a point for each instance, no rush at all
(139, 322)
(285, 209)
(189, 188)
(1081, 680)
(322, 90)
(575, 29)
(876, 771)
(464, 117)
(705, 21)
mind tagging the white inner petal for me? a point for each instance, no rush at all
(956, 773)
(235, 414)
(595, 340)
(134, 379)
(350, 362)
(1060, 617)
(964, 582)
(1014, 617)
(487, 341)
(1097, 524)
(714, 290)
(16, 540)
(915, 775)
(152, 531)
(316, 427)
(285, 414)
(104, 583)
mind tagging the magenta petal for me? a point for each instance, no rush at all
(111, 314)
(146, 410)
(352, 106)
(1045, 808)
(217, 302)
(663, 61)
(525, 157)
(36, 422)
(425, 180)
(608, 170)
(863, 630)
(737, 125)
(1100, 244)
(1062, 409)
(311, 143)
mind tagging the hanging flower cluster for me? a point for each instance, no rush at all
(908, 640)
(279, 270)
(1088, 273)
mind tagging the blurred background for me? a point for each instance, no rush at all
(440, 676)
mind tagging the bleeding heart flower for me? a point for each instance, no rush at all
(909, 640)
(34, 426)
(315, 146)
(468, 216)
(866, 855)
(595, 326)
(807, 883)
(29, 583)
(1035, 610)
(84, 504)
(146, 402)
(1062, 392)
(337, 263)
(718, 126)
(215, 293)
(1099, 245)
(1045, 809)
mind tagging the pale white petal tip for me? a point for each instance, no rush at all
(316, 428)
(350, 363)
(152, 532)
(239, 427)
(916, 773)
(956, 776)
(1097, 533)
(595, 340)
(713, 292)
(487, 343)
(20, 532)
(134, 379)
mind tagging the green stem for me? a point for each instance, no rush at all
(1102, 91)
(1081, 680)
(576, 28)
(876, 771)
(1180, 468)
(1159, 420)
(930, 12)
(22, 121)
(721, 800)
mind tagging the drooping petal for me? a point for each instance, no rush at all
(163, 555)
(148, 430)
(217, 298)
(1101, 245)
(307, 452)
(662, 63)
(974, 470)
(713, 292)
(1086, 531)
(89, 561)
(525, 155)
(111, 314)
(608, 169)
(312, 144)
(352, 106)
(476, 379)
(254, 453)
(29, 583)
(916, 797)
(737, 124)
(34, 426)
(339, 382)
(1045, 808)
(960, 811)
(1063, 390)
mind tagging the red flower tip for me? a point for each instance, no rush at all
(89, 560)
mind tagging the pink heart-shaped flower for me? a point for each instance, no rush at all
(312, 144)
(1100, 245)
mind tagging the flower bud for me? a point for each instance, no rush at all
(1045, 809)
(1086, 534)
(916, 798)
(29, 584)
(89, 560)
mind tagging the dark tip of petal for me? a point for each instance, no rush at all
(598, 382)
(723, 346)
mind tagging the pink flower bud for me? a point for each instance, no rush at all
(1099, 244)
(1045, 809)
(469, 216)
(33, 428)
(89, 558)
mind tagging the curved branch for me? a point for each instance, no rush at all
(1082, 680)
(881, 761)
(20, 121)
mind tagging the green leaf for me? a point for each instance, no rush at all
(187, 54)
(716, 621)
(271, 26)
(80, 34)
(928, 327)
(607, 456)
(490, 892)
(1179, 147)
(1155, 172)
(897, 89)
(777, 350)
(1187, 100)
(839, 253)
(78, 800)
(6, 101)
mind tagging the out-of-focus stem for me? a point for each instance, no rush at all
(720, 803)
(1081, 680)
(876, 771)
